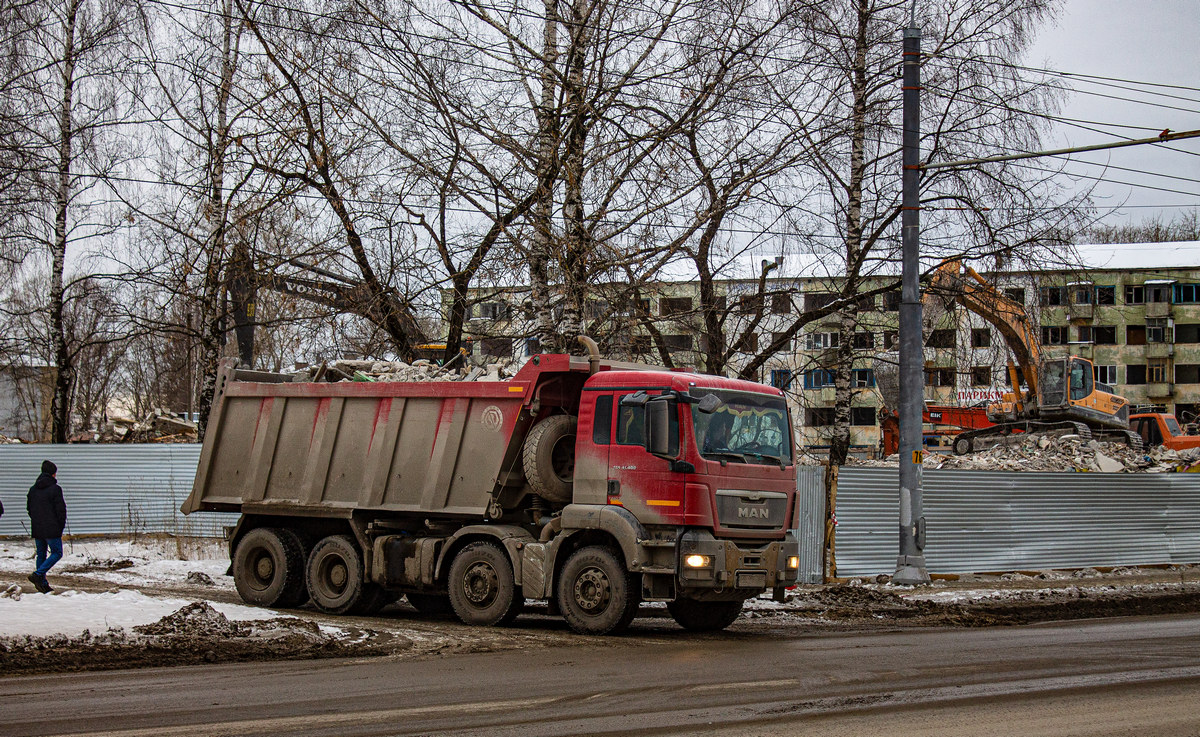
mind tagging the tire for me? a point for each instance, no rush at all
(963, 446)
(549, 458)
(431, 604)
(704, 616)
(335, 576)
(596, 595)
(268, 568)
(482, 589)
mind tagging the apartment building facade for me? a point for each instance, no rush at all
(1133, 310)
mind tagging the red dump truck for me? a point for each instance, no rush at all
(592, 484)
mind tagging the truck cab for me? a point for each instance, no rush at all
(1159, 428)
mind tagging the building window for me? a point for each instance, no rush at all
(1157, 330)
(1098, 334)
(981, 338)
(862, 416)
(1157, 371)
(941, 339)
(1106, 295)
(1187, 373)
(1135, 295)
(596, 309)
(498, 347)
(639, 345)
(749, 343)
(1188, 333)
(865, 303)
(1016, 294)
(862, 378)
(782, 341)
(781, 378)
(939, 377)
(492, 311)
(818, 417)
(1135, 335)
(817, 300)
(1054, 335)
(1135, 374)
(1053, 296)
(818, 378)
(1187, 293)
(1158, 292)
(1084, 334)
(891, 301)
(677, 342)
(981, 376)
(781, 304)
(533, 346)
(864, 341)
(1081, 294)
(668, 306)
(820, 341)
(750, 303)
(1105, 374)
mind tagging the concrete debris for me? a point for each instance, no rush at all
(159, 426)
(1055, 452)
(399, 371)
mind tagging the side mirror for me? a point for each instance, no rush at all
(711, 403)
(658, 428)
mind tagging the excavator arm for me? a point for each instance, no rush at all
(965, 286)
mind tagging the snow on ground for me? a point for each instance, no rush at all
(71, 612)
(129, 562)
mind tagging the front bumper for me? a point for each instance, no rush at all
(738, 568)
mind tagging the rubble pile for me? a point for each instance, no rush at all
(1051, 452)
(420, 370)
(159, 426)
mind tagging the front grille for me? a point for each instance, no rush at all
(754, 510)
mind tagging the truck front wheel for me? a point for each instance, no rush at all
(335, 575)
(482, 589)
(596, 595)
(704, 616)
(268, 568)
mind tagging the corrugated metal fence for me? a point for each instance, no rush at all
(1004, 521)
(109, 488)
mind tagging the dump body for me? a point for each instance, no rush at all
(310, 447)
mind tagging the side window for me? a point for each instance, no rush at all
(602, 424)
(631, 425)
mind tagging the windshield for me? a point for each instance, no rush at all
(1172, 425)
(748, 428)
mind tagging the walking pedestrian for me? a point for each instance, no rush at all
(47, 519)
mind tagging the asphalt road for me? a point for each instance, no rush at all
(1133, 676)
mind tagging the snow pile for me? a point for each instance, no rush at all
(72, 613)
(129, 562)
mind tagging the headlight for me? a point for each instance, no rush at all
(697, 561)
(793, 561)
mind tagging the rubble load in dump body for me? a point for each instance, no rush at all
(420, 370)
(1057, 451)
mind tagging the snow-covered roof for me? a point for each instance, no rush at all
(1176, 255)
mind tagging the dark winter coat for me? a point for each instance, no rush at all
(47, 510)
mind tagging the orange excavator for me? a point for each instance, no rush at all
(1048, 393)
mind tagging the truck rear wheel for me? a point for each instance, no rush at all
(549, 457)
(335, 576)
(596, 595)
(268, 568)
(704, 616)
(482, 589)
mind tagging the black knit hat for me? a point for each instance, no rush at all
(50, 468)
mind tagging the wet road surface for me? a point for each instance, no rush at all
(1128, 676)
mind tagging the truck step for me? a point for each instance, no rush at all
(656, 543)
(659, 569)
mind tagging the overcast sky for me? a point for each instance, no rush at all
(1154, 41)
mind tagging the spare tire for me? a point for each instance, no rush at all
(549, 458)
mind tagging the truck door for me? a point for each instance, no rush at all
(592, 448)
(641, 482)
